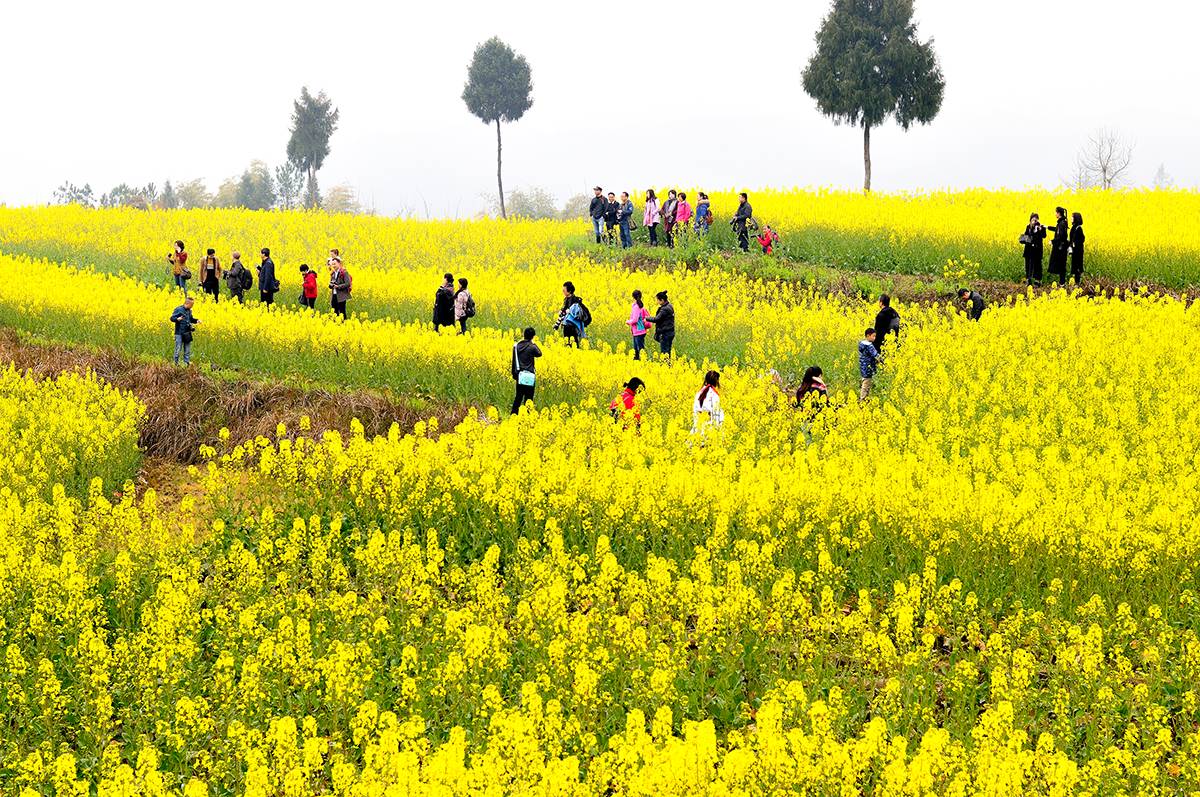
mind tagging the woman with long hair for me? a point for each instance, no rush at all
(651, 216)
(179, 269)
(637, 324)
(812, 387)
(1077, 239)
(706, 409)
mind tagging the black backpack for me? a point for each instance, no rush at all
(585, 315)
(470, 307)
(246, 279)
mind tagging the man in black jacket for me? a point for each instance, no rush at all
(612, 210)
(975, 303)
(887, 321)
(524, 368)
(268, 286)
(741, 221)
(596, 210)
(1058, 248)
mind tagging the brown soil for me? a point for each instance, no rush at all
(186, 408)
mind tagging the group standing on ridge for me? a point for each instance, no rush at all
(614, 220)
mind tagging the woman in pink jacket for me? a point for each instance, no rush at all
(651, 216)
(637, 324)
(683, 213)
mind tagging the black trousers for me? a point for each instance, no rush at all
(266, 297)
(462, 326)
(653, 229)
(524, 393)
(1058, 264)
(238, 296)
(339, 307)
(744, 239)
(1033, 268)
(309, 303)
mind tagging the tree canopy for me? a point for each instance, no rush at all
(314, 120)
(499, 83)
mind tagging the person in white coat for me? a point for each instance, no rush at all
(706, 409)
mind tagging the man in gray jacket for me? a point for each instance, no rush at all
(339, 286)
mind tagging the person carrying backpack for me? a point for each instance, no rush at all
(574, 318)
(340, 284)
(525, 352)
(239, 279)
(464, 305)
(308, 294)
(704, 217)
(767, 239)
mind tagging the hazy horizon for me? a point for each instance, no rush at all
(136, 92)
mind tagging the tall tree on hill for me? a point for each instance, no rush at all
(314, 120)
(870, 65)
(499, 89)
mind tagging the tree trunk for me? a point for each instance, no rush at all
(499, 179)
(866, 158)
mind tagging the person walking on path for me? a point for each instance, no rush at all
(179, 270)
(525, 352)
(185, 325)
(669, 209)
(703, 213)
(1058, 248)
(975, 303)
(443, 303)
(887, 322)
(268, 286)
(651, 216)
(741, 221)
(596, 209)
(637, 325)
(706, 408)
(210, 274)
(1077, 239)
(339, 286)
(464, 305)
(1033, 239)
(664, 324)
(308, 293)
(236, 278)
(868, 363)
(625, 405)
(625, 220)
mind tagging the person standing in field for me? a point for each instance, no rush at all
(651, 216)
(596, 209)
(683, 214)
(706, 408)
(1077, 239)
(574, 317)
(664, 324)
(268, 286)
(703, 213)
(637, 325)
(525, 352)
(443, 303)
(887, 322)
(741, 221)
(179, 270)
(974, 302)
(625, 405)
(612, 211)
(185, 324)
(1058, 248)
(308, 293)
(210, 274)
(669, 209)
(464, 305)
(235, 279)
(868, 363)
(339, 286)
(767, 239)
(625, 220)
(1033, 239)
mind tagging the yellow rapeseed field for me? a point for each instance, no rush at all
(982, 580)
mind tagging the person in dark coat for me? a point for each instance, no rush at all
(268, 286)
(887, 322)
(443, 303)
(741, 221)
(975, 303)
(612, 212)
(524, 368)
(1077, 239)
(1034, 238)
(664, 324)
(596, 210)
(1058, 248)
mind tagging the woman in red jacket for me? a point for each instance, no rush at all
(625, 404)
(309, 296)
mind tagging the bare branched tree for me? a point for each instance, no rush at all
(1104, 161)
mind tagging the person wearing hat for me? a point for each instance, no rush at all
(267, 284)
(210, 274)
(596, 210)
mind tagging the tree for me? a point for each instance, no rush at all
(227, 193)
(289, 185)
(314, 120)
(576, 207)
(256, 188)
(1103, 161)
(499, 89)
(70, 194)
(342, 199)
(125, 196)
(168, 199)
(1162, 179)
(532, 203)
(194, 194)
(870, 65)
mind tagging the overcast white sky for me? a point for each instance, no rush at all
(625, 94)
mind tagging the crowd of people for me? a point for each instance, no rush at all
(614, 220)
(1067, 244)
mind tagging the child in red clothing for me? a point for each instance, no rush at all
(767, 239)
(625, 404)
(309, 297)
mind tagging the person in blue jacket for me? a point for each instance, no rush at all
(185, 324)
